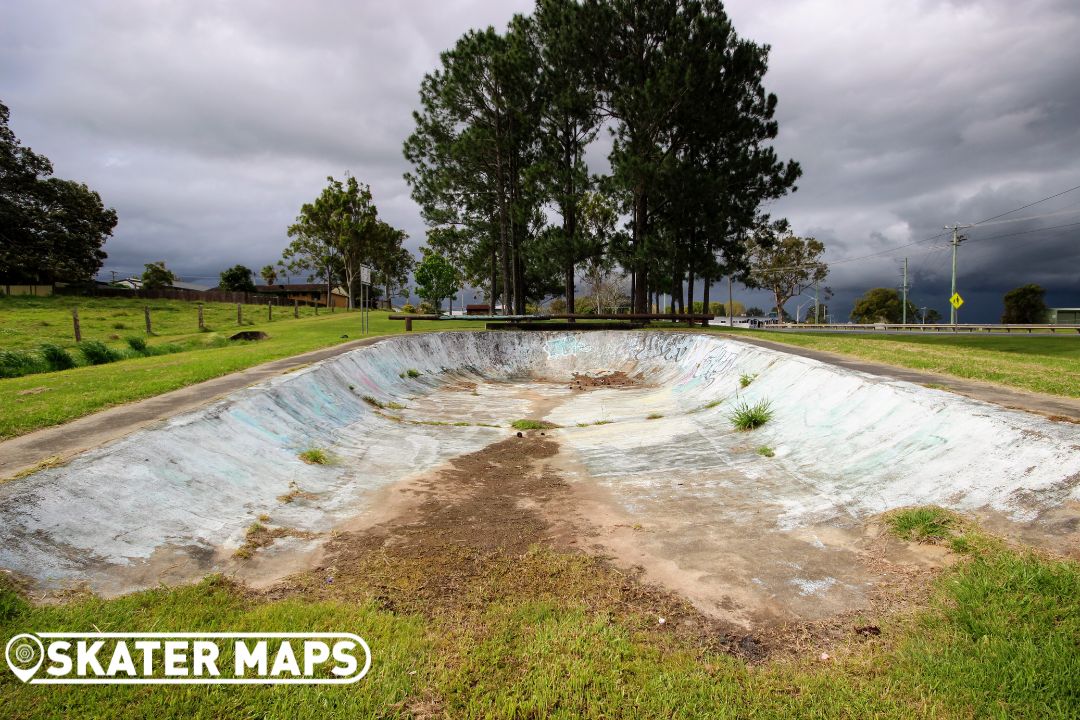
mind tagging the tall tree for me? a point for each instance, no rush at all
(686, 93)
(337, 232)
(237, 279)
(51, 229)
(156, 275)
(784, 263)
(473, 147)
(436, 278)
(569, 121)
(1025, 305)
(390, 260)
(268, 274)
(880, 305)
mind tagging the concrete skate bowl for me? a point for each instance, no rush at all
(654, 474)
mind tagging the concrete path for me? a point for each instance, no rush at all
(1052, 406)
(58, 444)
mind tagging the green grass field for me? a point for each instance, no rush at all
(1041, 364)
(997, 639)
(44, 399)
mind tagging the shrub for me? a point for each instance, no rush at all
(765, 451)
(427, 308)
(165, 349)
(408, 308)
(412, 373)
(315, 456)
(922, 523)
(532, 425)
(56, 357)
(15, 363)
(97, 352)
(138, 345)
(745, 379)
(748, 417)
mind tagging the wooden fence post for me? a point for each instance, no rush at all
(295, 308)
(146, 312)
(201, 325)
(75, 321)
(269, 311)
(239, 314)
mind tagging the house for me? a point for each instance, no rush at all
(1063, 316)
(135, 283)
(307, 293)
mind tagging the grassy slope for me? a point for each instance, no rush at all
(998, 640)
(1041, 364)
(25, 406)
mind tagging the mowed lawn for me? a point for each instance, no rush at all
(44, 399)
(1045, 364)
(549, 636)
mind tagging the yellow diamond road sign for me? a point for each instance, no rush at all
(956, 300)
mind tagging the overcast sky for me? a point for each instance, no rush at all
(207, 125)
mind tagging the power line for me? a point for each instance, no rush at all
(1027, 232)
(882, 253)
(1024, 207)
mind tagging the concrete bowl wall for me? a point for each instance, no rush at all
(854, 444)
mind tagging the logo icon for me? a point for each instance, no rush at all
(25, 654)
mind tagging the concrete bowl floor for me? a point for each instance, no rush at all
(658, 478)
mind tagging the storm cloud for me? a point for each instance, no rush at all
(207, 125)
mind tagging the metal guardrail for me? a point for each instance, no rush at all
(942, 328)
(628, 317)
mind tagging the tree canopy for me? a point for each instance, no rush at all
(502, 136)
(339, 233)
(783, 263)
(156, 275)
(237, 279)
(436, 278)
(1025, 305)
(51, 229)
(881, 305)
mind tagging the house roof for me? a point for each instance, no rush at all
(189, 286)
(295, 287)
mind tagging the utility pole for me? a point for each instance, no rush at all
(904, 288)
(957, 238)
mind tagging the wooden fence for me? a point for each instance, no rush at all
(222, 296)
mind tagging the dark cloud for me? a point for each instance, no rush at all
(207, 124)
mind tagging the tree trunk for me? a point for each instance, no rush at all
(705, 294)
(568, 235)
(491, 293)
(690, 287)
(328, 286)
(640, 261)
